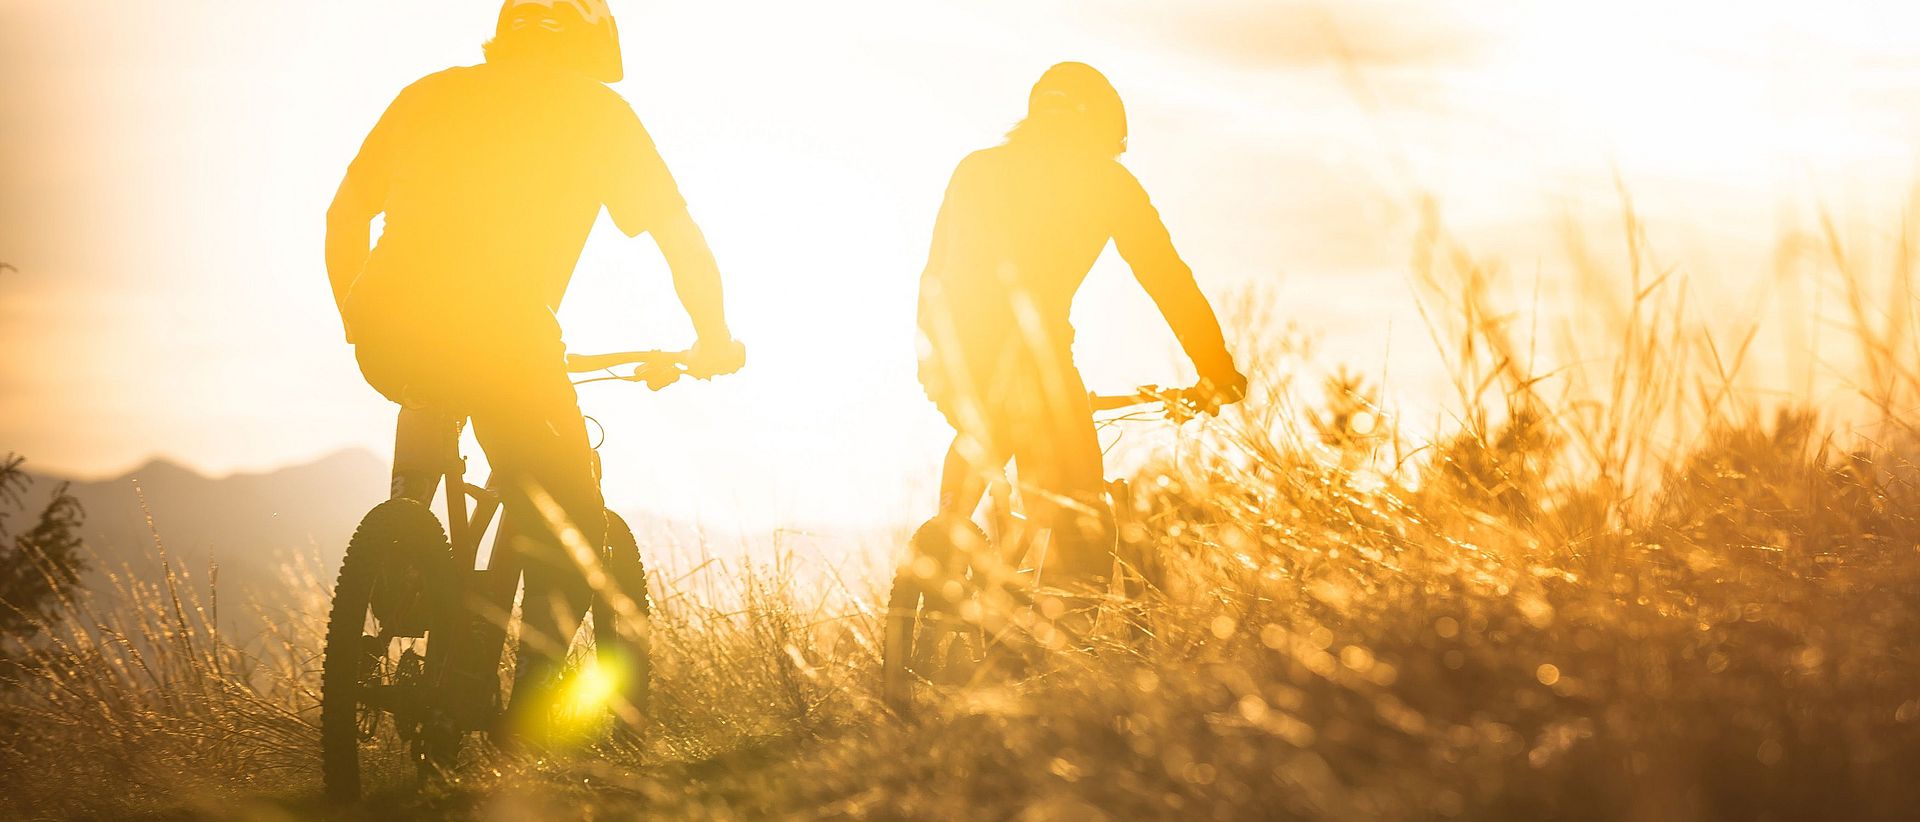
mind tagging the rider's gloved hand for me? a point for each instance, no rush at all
(712, 359)
(1218, 390)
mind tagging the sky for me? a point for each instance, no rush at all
(165, 168)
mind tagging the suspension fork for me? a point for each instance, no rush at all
(425, 444)
(481, 605)
(427, 459)
(1009, 536)
(487, 597)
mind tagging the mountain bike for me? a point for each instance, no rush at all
(966, 591)
(417, 632)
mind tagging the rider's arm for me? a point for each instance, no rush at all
(349, 232)
(362, 195)
(1142, 239)
(643, 198)
(696, 276)
(346, 255)
(933, 294)
(939, 349)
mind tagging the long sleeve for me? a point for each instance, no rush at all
(935, 318)
(1143, 241)
(362, 194)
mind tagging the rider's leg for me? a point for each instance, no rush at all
(962, 480)
(977, 457)
(536, 440)
(1062, 477)
(427, 433)
(425, 447)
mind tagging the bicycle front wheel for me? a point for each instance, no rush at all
(927, 637)
(373, 688)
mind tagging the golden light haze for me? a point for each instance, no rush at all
(164, 170)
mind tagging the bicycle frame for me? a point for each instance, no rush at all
(926, 621)
(426, 459)
(1007, 525)
(426, 452)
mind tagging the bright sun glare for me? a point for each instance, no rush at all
(1574, 475)
(814, 146)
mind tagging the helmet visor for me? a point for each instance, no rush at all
(588, 19)
(591, 12)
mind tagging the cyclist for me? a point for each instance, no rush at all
(1019, 230)
(490, 177)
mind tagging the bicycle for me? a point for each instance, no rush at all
(962, 594)
(416, 632)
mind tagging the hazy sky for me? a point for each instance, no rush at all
(164, 169)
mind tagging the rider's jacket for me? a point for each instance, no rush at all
(491, 177)
(1021, 227)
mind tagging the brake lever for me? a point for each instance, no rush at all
(1179, 409)
(657, 375)
(1186, 404)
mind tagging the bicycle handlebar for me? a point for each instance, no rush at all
(1181, 403)
(658, 369)
(582, 363)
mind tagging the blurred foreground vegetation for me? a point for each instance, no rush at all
(1622, 589)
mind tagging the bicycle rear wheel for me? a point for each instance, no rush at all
(622, 621)
(373, 687)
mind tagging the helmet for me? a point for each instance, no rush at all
(1080, 90)
(591, 20)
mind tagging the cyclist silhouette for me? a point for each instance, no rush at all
(491, 177)
(1021, 226)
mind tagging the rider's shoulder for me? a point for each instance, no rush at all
(982, 161)
(614, 101)
(435, 85)
(588, 95)
(447, 77)
(1123, 177)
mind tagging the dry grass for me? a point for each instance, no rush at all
(1617, 587)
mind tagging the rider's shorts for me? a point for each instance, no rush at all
(452, 373)
(1008, 405)
(523, 408)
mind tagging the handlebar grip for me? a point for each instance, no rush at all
(1144, 395)
(1180, 402)
(582, 363)
(658, 375)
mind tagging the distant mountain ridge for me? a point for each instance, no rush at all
(256, 525)
(250, 524)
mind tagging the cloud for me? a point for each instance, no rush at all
(1292, 34)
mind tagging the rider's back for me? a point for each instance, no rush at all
(1020, 229)
(1028, 223)
(493, 177)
